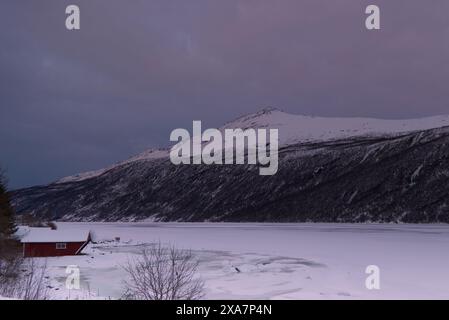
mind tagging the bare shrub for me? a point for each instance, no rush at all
(23, 278)
(33, 281)
(10, 262)
(52, 225)
(9, 275)
(30, 220)
(27, 219)
(163, 273)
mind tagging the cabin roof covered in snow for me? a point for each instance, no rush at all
(43, 235)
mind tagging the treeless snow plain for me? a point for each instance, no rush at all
(270, 261)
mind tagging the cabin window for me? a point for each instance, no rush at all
(61, 246)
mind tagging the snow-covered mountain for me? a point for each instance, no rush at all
(330, 169)
(300, 129)
(295, 129)
(146, 155)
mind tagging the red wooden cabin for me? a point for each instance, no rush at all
(43, 242)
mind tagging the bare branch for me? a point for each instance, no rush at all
(162, 273)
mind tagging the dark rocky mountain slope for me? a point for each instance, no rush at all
(392, 177)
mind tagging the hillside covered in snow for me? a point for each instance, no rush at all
(330, 170)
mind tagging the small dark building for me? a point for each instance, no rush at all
(43, 242)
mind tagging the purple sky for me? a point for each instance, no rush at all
(76, 101)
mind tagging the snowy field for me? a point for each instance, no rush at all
(271, 261)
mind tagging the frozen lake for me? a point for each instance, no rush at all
(272, 261)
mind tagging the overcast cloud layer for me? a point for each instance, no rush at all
(76, 101)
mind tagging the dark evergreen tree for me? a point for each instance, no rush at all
(7, 223)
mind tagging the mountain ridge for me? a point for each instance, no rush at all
(358, 176)
(271, 117)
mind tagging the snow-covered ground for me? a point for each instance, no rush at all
(271, 261)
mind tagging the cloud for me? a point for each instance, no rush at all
(74, 101)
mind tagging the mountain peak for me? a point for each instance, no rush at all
(251, 117)
(268, 110)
